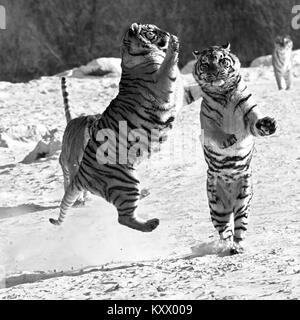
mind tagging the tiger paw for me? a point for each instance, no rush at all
(144, 193)
(79, 203)
(151, 224)
(174, 43)
(266, 126)
(229, 141)
(133, 223)
(237, 248)
(55, 222)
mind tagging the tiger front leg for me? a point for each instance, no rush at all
(258, 125)
(265, 126)
(223, 140)
(211, 131)
(168, 70)
(126, 204)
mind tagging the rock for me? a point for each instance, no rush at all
(46, 147)
(266, 61)
(98, 68)
(27, 133)
(3, 140)
(192, 89)
(296, 58)
(188, 68)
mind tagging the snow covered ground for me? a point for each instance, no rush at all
(91, 256)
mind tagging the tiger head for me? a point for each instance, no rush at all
(283, 42)
(143, 42)
(216, 68)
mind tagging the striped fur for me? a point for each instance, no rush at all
(229, 121)
(282, 61)
(150, 94)
(65, 99)
(75, 139)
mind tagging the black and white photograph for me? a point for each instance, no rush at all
(149, 150)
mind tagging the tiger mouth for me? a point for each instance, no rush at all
(214, 81)
(218, 83)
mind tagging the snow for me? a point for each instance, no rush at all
(91, 256)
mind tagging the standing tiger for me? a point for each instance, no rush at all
(150, 94)
(282, 61)
(229, 120)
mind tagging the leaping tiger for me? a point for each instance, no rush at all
(282, 61)
(150, 94)
(229, 120)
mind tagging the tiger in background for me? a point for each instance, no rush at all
(150, 94)
(282, 61)
(230, 119)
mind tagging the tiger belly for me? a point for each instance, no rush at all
(229, 163)
(113, 182)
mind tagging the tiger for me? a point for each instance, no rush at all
(75, 139)
(282, 61)
(230, 119)
(150, 95)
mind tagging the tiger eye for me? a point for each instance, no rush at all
(150, 35)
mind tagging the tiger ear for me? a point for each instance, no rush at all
(196, 53)
(226, 46)
(134, 28)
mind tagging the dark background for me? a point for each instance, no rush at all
(44, 37)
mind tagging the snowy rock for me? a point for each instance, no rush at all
(46, 147)
(27, 133)
(98, 67)
(266, 61)
(188, 68)
(3, 140)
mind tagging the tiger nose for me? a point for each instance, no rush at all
(213, 67)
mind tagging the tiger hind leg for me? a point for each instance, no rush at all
(81, 200)
(68, 177)
(144, 193)
(279, 81)
(241, 212)
(222, 223)
(66, 174)
(135, 223)
(288, 80)
(70, 196)
(126, 204)
(220, 208)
